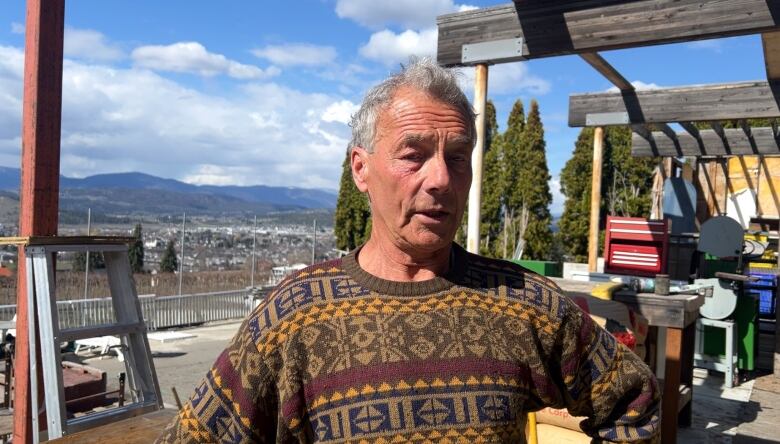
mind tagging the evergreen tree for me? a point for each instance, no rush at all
(169, 263)
(533, 187)
(575, 185)
(136, 251)
(352, 224)
(96, 261)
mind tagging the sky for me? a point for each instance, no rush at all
(247, 92)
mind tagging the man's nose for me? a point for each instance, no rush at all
(438, 177)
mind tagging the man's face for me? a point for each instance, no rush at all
(419, 174)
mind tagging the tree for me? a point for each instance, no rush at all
(169, 262)
(575, 185)
(96, 261)
(352, 225)
(136, 251)
(533, 188)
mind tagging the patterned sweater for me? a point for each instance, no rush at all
(335, 354)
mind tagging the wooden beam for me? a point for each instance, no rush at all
(595, 60)
(735, 142)
(642, 131)
(771, 43)
(475, 192)
(552, 28)
(718, 128)
(731, 101)
(595, 199)
(691, 129)
(39, 191)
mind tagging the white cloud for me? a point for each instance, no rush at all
(117, 119)
(17, 28)
(507, 78)
(556, 208)
(638, 85)
(91, 45)
(390, 48)
(415, 14)
(341, 112)
(292, 54)
(714, 45)
(192, 57)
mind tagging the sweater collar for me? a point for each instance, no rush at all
(458, 266)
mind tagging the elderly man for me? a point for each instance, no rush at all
(409, 338)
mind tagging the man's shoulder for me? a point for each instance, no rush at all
(298, 291)
(509, 273)
(507, 279)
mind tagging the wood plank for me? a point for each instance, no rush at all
(771, 43)
(595, 199)
(670, 400)
(576, 26)
(40, 178)
(141, 429)
(598, 62)
(736, 143)
(745, 100)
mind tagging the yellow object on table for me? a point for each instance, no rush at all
(605, 290)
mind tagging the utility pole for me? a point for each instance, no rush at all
(254, 243)
(86, 260)
(181, 262)
(314, 243)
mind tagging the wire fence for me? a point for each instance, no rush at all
(159, 311)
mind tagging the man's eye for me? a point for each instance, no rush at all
(412, 157)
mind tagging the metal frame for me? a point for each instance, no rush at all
(728, 364)
(130, 327)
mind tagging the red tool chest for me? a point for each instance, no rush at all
(636, 246)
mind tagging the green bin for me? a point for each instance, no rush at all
(545, 268)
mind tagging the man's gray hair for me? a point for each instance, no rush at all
(422, 74)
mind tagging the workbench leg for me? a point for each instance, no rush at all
(672, 377)
(686, 372)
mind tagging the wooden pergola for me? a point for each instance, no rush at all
(531, 29)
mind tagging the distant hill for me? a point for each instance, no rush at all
(139, 193)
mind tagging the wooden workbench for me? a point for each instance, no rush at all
(678, 313)
(139, 430)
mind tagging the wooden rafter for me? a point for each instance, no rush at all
(731, 101)
(552, 28)
(595, 60)
(771, 43)
(735, 142)
(691, 129)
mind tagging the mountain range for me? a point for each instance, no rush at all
(140, 193)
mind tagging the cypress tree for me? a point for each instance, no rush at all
(575, 186)
(96, 261)
(136, 250)
(352, 224)
(169, 263)
(533, 187)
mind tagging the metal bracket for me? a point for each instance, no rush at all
(603, 119)
(494, 51)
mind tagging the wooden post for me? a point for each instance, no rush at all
(475, 193)
(39, 191)
(595, 199)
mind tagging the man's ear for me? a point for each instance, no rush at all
(359, 162)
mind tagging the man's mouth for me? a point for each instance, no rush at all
(436, 215)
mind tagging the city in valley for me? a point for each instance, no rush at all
(217, 252)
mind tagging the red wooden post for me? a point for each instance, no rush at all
(39, 191)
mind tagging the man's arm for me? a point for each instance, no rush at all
(236, 402)
(605, 381)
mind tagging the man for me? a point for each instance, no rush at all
(410, 338)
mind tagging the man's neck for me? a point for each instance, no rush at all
(394, 264)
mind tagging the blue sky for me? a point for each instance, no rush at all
(249, 92)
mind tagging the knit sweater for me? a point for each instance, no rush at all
(335, 354)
